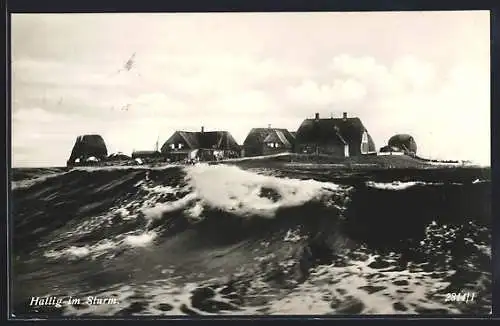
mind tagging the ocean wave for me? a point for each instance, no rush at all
(27, 183)
(140, 239)
(155, 200)
(79, 252)
(248, 194)
(242, 193)
(218, 239)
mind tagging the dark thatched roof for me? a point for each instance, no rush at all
(403, 141)
(222, 140)
(319, 131)
(335, 131)
(87, 146)
(257, 136)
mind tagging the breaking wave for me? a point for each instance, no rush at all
(217, 239)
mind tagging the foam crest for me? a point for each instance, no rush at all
(159, 209)
(248, 194)
(81, 252)
(104, 247)
(140, 240)
(398, 185)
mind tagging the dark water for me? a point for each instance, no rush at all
(221, 240)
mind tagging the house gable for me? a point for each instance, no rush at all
(260, 140)
(278, 139)
(319, 131)
(177, 141)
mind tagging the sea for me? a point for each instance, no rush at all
(226, 240)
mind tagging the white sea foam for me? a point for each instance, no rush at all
(345, 285)
(102, 247)
(140, 240)
(79, 252)
(330, 289)
(234, 190)
(292, 236)
(196, 211)
(159, 209)
(398, 185)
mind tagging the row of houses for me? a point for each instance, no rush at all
(340, 137)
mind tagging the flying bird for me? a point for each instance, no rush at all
(129, 64)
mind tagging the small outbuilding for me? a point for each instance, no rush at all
(404, 142)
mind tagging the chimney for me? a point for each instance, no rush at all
(269, 126)
(317, 116)
(344, 116)
(202, 129)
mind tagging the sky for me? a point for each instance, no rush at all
(422, 73)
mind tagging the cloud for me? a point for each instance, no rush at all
(194, 70)
(40, 136)
(447, 111)
(338, 92)
(406, 96)
(414, 73)
(53, 73)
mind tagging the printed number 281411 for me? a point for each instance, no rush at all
(460, 297)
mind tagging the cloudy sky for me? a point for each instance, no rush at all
(423, 73)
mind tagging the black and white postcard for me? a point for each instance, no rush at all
(298, 163)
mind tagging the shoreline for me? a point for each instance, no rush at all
(291, 160)
(370, 162)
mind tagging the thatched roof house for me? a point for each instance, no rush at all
(341, 137)
(265, 141)
(203, 144)
(88, 148)
(404, 142)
